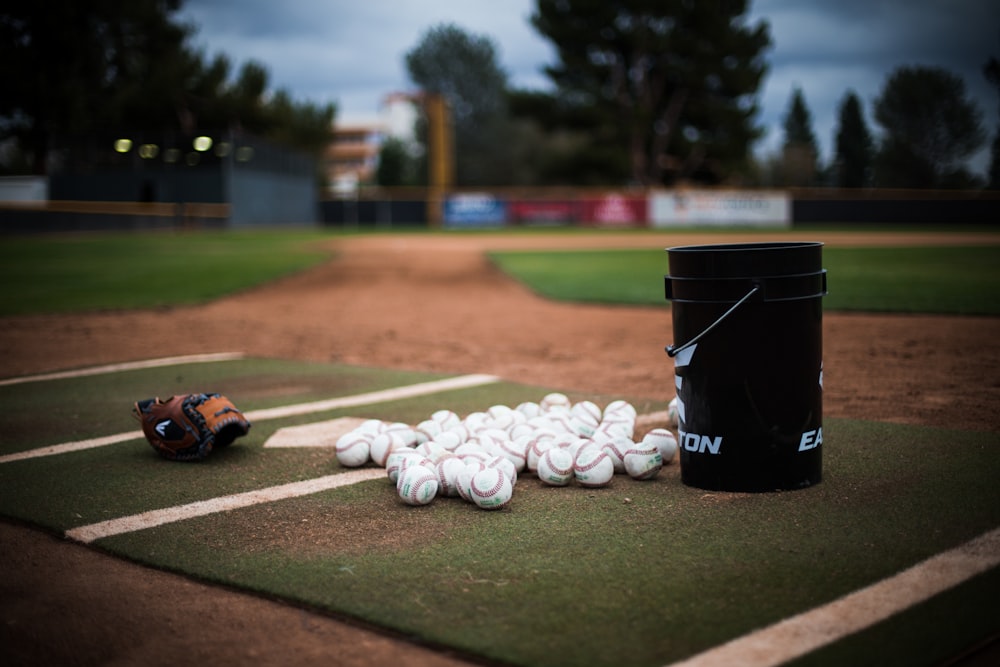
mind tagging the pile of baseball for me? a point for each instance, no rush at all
(479, 458)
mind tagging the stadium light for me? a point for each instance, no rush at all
(123, 145)
(244, 153)
(202, 143)
(148, 151)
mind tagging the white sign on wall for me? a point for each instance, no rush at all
(720, 207)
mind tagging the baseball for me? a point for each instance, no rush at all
(405, 432)
(587, 412)
(464, 478)
(593, 467)
(504, 464)
(643, 461)
(490, 489)
(382, 445)
(447, 419)
(398, 459)
(664, 441)
(417, 485)
(673, 413)
(448, 469)
(555, 401)
(555, 466)
(353, 449)
(616, 448)
(620, 407)
(541, 441)
(516, 451)
(529, 409)
(426, 430)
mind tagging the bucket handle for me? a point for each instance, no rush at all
(674, 350)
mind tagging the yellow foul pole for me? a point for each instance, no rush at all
(441, 161)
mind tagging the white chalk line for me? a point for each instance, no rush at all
(153, 518)
(125, 366)
(806, 632)
(397, 393)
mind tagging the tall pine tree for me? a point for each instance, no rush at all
(800, 150)
(854, 146)
(662, 90)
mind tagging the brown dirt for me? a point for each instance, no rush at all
(428, 303)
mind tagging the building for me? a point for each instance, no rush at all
(351, 159)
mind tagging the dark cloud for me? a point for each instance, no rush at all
(830, 48)
(352, 52)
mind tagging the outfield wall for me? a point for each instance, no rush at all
(273, 200)
(665, 209)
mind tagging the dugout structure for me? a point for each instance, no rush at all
(221, 179)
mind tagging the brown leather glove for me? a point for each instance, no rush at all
(187, 427)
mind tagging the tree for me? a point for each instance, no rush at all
(464, 69)
(854, 146)
(662, 90)
(86, 69)
(930, 128)
(800, 150)
(69, 67)
(992, 72)
(395, 164)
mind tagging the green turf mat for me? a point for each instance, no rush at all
(637, 573)
(100, 405)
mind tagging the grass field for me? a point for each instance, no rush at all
(101, 271)
(638, 573)
(953, 280)
(107, 271)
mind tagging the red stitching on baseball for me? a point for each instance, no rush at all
(489, 492)
(558, 471)
(420, 481)
(592, 463)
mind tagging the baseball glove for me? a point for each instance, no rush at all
(188, 427)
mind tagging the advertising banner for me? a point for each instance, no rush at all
(614, 210)
(720, 207)
(474, 210)
(542, 211)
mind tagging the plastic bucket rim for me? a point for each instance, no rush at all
(737, 247)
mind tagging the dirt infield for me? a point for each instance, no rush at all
(428, 303)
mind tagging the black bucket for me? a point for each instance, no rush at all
(748, 359)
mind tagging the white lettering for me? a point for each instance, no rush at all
(713, 445)
(811, 440)
(703, 444)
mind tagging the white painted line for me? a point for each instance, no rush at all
(397, 393)
(126, 366)
(153, 518)
(796, 636)
(316, 434)
(71, 446)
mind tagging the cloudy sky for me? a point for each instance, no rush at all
(352, 52)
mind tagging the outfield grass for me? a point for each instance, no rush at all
(119, 271)
(104, 271)
(947, 280)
